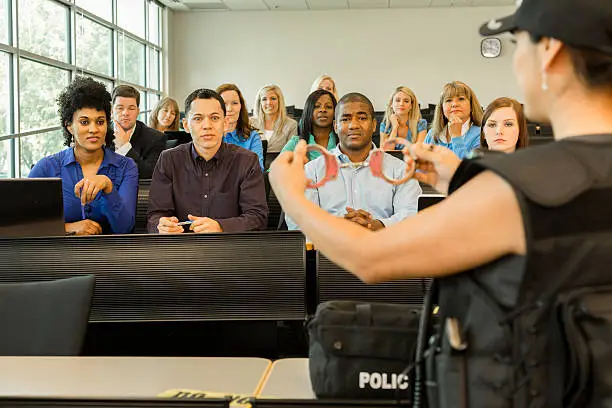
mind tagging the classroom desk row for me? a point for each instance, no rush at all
(250, 276)
(148, 377)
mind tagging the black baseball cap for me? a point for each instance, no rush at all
(578, 23)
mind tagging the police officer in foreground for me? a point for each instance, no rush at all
(522, 246)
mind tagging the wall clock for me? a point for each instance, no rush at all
(490, 47)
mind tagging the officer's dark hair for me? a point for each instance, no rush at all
(593, 67)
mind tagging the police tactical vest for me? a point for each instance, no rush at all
(536, 330)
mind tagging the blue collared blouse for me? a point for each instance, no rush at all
(115, 211)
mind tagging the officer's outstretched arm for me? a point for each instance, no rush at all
(478, 223)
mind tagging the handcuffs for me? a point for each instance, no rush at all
(332, 167)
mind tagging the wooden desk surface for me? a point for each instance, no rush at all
(134, 377)
(288, 378)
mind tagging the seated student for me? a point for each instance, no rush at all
(457, 120)
(317, 123)
(238, 130)
(325, 82)
(133, 138)
(504, 128)
(403, 118)
(270, 117)
(356, 194)
(165, 115)
(100, 187)
(216, 185)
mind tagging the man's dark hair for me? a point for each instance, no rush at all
(84, 92)
(355, 97)
(126, 91)
(203, 93)
(305, 126)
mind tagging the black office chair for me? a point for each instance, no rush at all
(45, 318)
(269, 158)
(297, 114)
(264, 146)
(275, 212)
(290, 110)
(142, 206)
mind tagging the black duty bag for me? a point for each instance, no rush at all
(360, 350)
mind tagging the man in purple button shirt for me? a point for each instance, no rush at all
(215, 186)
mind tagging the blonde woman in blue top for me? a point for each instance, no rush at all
(317, 123)
(403, 118)
(457, 120)
(238, 129)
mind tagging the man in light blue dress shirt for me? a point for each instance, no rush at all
(356, 194)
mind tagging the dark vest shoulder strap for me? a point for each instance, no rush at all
(549, 175)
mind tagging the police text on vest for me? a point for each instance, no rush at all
(384, 381)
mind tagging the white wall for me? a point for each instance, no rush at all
(369, 51)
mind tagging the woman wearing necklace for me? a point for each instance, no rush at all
(317, 123)
(403, 118)
(100, 187)
(270, 117)
(457, 120)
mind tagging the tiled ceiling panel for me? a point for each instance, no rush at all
(327, 4)
(368, 4)
(239, 5)
(441, 3)
(493, 2)
(287, 4)
(244, 5)
(205, 4)
(409, 3)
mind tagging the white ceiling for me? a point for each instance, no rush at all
(266, 5)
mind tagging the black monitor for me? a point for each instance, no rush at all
(427, 200)
(180, 136)
(396, 153)
(48, 402)
(31, 207)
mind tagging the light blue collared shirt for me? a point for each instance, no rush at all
(462, 145)
(359, 189)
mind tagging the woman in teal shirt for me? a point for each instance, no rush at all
(317, 123)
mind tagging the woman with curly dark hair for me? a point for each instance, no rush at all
(100, 186)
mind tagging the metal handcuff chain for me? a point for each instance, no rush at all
(332, 168)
